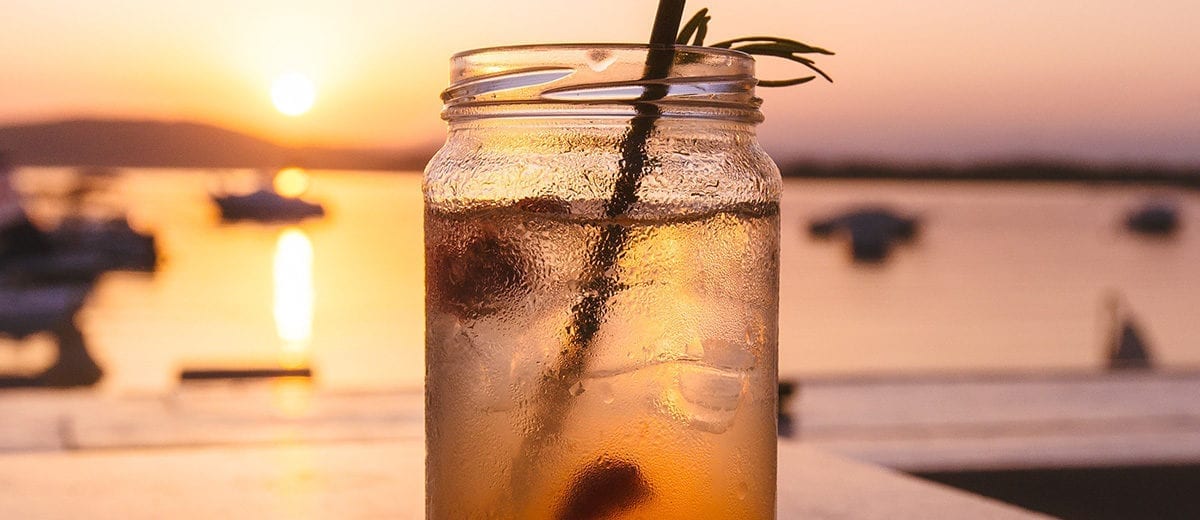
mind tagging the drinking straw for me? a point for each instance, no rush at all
(587, 314)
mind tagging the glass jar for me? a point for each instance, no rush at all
(602, 257)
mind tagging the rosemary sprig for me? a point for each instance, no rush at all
(697, 26)
(696, 29)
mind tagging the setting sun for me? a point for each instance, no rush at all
(293, 94)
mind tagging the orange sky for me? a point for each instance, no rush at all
(916, 79)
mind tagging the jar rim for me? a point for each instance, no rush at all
(599, 80)
(597, 46)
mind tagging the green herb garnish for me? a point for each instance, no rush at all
(696, 29)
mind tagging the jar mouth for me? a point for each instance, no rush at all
(599, 79)
(642, 47)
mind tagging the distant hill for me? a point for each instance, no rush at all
(1028, 170)
(124, 143)
(127, 143)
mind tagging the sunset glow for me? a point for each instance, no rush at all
(1105, 80)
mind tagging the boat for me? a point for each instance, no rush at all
(266, 205)
(94, 236)
(26, 310)
(276, 198)
(116, 245)
(872, 231)
(1153, 218)
(1127, 348)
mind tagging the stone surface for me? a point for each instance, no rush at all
(287, 450)
(814, 485)
(385, 480)
(1010, 421)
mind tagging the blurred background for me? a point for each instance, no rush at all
(226, 190)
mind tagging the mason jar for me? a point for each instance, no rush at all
(602, 253)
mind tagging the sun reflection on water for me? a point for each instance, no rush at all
(291, 398)
(294, 296)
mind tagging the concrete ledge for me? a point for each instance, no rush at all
(1010, 421)
(818, 485)
(275, 451)
(385, 480)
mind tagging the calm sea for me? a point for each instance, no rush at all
(1001, 277)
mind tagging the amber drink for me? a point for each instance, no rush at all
(601, 318)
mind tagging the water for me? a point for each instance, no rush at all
(1001, 277)
(343, 295)
(672, 399)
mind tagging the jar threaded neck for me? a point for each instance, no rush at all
(598, 80)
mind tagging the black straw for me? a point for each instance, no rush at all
(598, 286)
(666, 22)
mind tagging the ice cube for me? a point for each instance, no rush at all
(705, 397)
(730, 355)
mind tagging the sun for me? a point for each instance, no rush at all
(293, 93)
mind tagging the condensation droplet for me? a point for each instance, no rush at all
(742, 490)
(606, 392)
